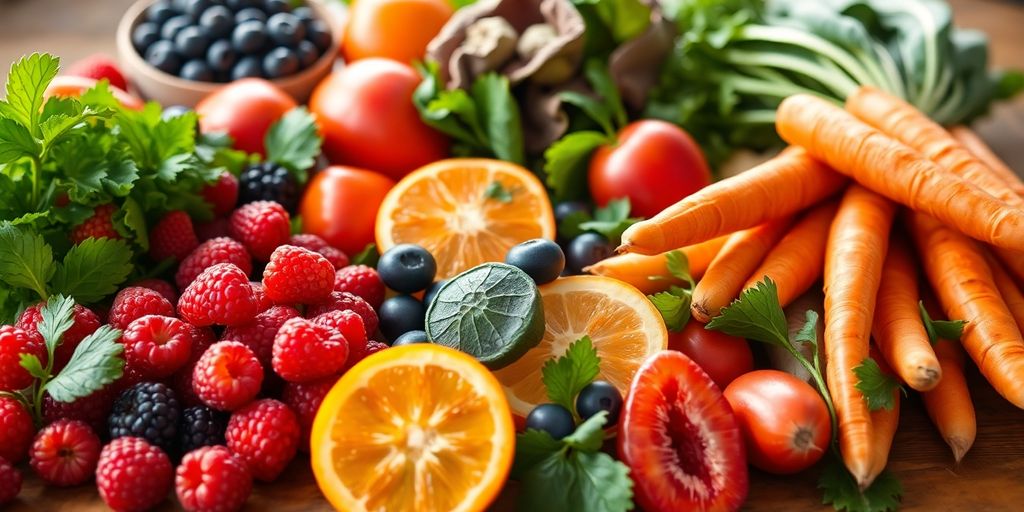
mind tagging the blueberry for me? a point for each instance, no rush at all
(173, 26)
(587, 249)
(237, 5)
(276, 6)
(399, 315)
(197, 71)
(249, 37)
(411, 338)
(599, 396)
(195, 8)
(160, 11)
(551, 418)
(319, 34)
(286, 29)
(144, 35)
(307, 53)
(431, 292)
(247, 67)
(162, 56)
(250, 14)
(407, 268)
(304, 14)
(217, 22)
(280, 62)
(221, 56)
(563, 210)
(191, 43)
(173, 111)
(543, 260)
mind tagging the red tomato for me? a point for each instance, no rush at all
(393, 29)
(723, 357)
(340, 205)
(244, 109)
(654, 164)
(368, 120)
(784, 421)
(74, 86)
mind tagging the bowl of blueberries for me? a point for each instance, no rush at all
(179, 51)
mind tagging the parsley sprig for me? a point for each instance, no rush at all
(609, 221)
(674, 304)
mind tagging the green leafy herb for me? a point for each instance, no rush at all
(93, 269)
(57, 318)
(368, 256)
(940, 329)
(496, 191)
(679, 267)
(843, 493)
(565, 163)
(26, 261)
(294, 143)
(609, 221)
(26, 82)
(674, 306)
(566, 376)
(95, 364)
(756, 315)
(877, 387)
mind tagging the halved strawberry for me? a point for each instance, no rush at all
(680, 439)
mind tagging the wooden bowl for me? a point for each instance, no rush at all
(153, 84)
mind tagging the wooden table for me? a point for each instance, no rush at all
(991, 477)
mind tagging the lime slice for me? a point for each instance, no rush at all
(492, 312)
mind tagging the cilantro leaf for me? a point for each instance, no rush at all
(26, 261)
(566, 376)
(15, 141)
(679, 266)
(96, 363)
(368, 256)
(293, 142)
(495, 190)
(876, 386)
(611, 220)
(674, 306)
(26, 82)
(756, 315)
(57, 319)
(93, 269)
(565, 163)
(843, 493)
(940, 329)
(808, 334)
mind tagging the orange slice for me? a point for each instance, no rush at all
(446, 207)
(414, 428)
(622, 323)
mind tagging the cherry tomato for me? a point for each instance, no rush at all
(244, 109)
(653, 163)
(340, 205)
(393, 29)
(723, 357)
(784, 420)
(368, 120)
(74, 86)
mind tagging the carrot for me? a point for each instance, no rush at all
(893, 170)
(740, 255)
(883, 424)
(1008, 289)
(963, 280)
(638, 269)
(949, 404)
(975, 145)
(798, 259)
(898, 329)
(779, 187)
(857, 244)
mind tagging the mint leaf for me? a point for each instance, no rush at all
(674, 306)
(565, 376)
(294, 143)
(679, 267)
(96, 363)
(496, 191)
(26, 82)
(368, 256)
(843, 493)
(565, 163)
(31, 363)
(26, 261)
(940, 329)
(756, 315)
(57, 319)
(877, 387)
(15, 142)
(93, 269)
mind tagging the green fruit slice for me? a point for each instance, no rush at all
(492, 312)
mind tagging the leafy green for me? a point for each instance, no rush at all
(26, 82)
(674, 306)
(496, 191)
(756, 315)
(565, 163)
(609, 221)
(26, 261)
(93, 269)
(877, 387)
(567, 375)
(678, 266)
(294, 143)
(843, 493)
(368, 256)
(95, 364)
(57, 318)
(624, 19)
(940, 329)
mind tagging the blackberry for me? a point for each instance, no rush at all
(269, 182)
(148, 410)
(202, 426)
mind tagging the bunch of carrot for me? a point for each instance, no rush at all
(858, 190)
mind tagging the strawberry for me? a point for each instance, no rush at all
(98, 67)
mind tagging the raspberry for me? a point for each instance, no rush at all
(99, 66)
(84, 323)
(202, 338)
(227, 376)
(16, 430)
(99, 225)
(304, 399)
(261, 296)
(91, 410)
(202, 426)
(216, 228)
(350, 325)
(172, 237)
(259, 334)
(13, 343)
(65, 453)
(261, 226)
(220, 295)
(136, 302)
(361, 281)
(148, 410)
(314, 243)
(160, 286)
(133, 474)
(157, 345)
(210, 253)
(298, 276)
(345, 301)
(222, 195)
(265, 434)
(305, 351)
(10, 482)
(374, 346)
(212, 479)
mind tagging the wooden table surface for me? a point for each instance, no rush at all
(991, 477)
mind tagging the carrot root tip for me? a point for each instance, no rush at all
(927, 378)
(960, 447)
(700, 312)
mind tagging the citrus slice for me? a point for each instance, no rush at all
(413, 428)
(465, 211)
(623, 325)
